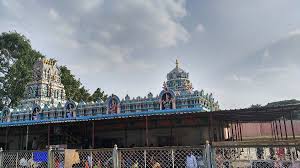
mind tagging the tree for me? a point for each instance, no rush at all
(71, 84)
(75, 90)
(255, 106)
(283, 103)
(82, 94)
(16, 61)
(98, 95)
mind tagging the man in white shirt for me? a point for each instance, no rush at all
(191, 161)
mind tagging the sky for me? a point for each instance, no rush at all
(244, 52)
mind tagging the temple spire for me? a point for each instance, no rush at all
(177, 63)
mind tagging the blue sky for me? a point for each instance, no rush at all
(244, 52)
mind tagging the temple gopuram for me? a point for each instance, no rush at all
(45, 105)
(44, 99)
(177, 116)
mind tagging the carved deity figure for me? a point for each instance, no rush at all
(35, 114)
(71, 112)
(167, 101)
(113, 107)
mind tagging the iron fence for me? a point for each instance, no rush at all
(101, 158)
(23, 159)
(217, 156)
(173, 157)
(281, 156)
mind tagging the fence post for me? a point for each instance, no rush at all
(145, 158)
(17, 158)
(208, 154)
(91, 164)
(173, 158)
(115, 157)
(1, 156)
(50, 157)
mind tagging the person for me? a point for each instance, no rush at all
(34, 145)
(200, 162)
(98, 165)
(207, 153)
(155, 164)
(219, 159)
(135, 164)
(128, 161)
(23, 162)
(191, 161)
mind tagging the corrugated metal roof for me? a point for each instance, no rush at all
(104, 117)
(241, 115)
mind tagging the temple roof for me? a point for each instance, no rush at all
(177, 72)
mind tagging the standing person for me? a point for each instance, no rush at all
(191, 161)
(155, 163)
(200, 160)
(34, 144)
(135, 164)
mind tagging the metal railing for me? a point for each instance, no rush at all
(173, 157)
(23, 159)
(206, 156)
(256, 156)
(87, 158)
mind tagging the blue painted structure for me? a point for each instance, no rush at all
(44, 101)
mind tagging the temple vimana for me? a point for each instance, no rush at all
(45, 99)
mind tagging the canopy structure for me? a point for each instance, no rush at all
(257, 114)
(222, 125)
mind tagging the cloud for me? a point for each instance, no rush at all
(13, 6)
(294, 32)
(109, 38)
(105, 31)
(261, 78)
(114, 29)
(119, 45)
(235, 77)
(90, 4)
(53, 14)
(200, 28)
(266, 53)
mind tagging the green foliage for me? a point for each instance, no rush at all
(283, 103)
(277, 103)
(75, 90)
(98, 95)
(255, 106)
(16, 61)
(70, 83)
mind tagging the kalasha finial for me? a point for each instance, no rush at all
(177, 63)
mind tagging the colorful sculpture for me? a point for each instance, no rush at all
(47, 93)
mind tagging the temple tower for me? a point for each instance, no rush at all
(46, 86)
(178, 80)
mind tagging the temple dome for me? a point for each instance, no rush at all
(177, 72)
(178, 80)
